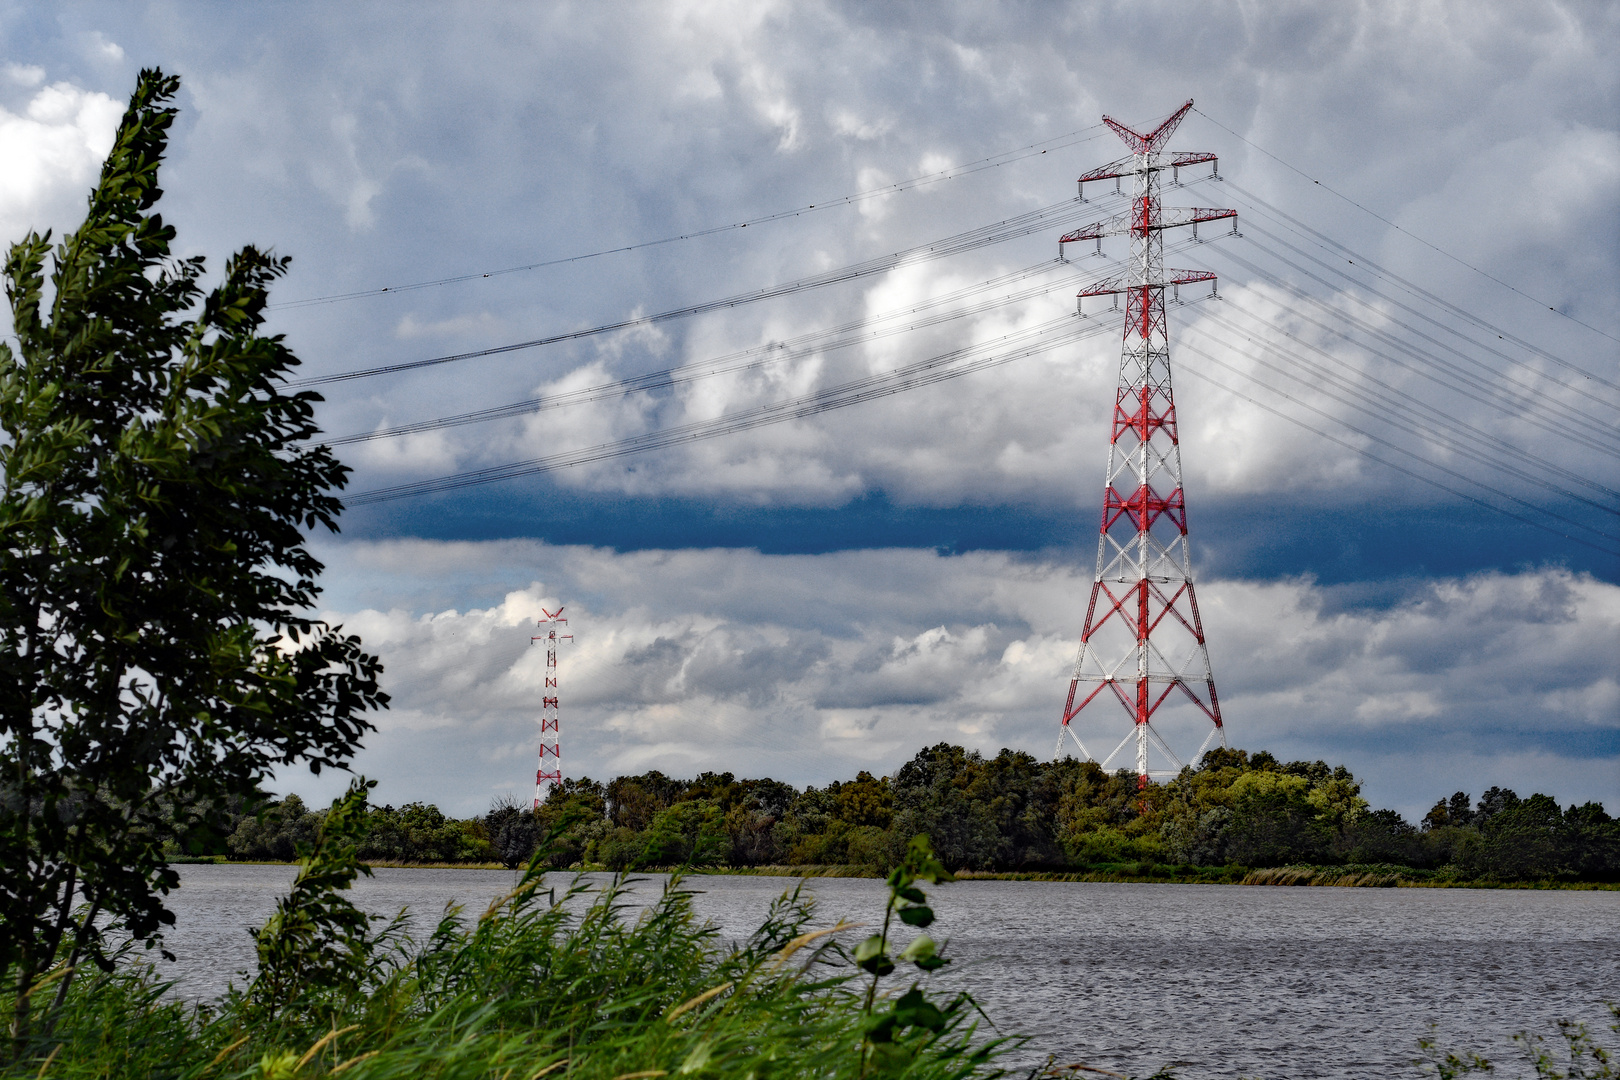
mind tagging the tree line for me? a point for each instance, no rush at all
(1009, 812)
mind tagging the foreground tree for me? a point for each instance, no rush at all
(156, 488)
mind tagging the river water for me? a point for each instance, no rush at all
(1225, 980)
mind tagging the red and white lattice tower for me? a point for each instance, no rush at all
(1143, 640)
(550, 771)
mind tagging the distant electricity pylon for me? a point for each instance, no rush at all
(550, 711)
(1143, 639)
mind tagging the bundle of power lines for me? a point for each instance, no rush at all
(1311, 302)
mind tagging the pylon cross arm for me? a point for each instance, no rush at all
(1135, 223)
(1125, 166)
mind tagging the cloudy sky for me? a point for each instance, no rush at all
(1398, 419)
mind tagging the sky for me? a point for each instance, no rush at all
(1398, 418)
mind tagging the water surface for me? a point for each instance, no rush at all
(1229, 980)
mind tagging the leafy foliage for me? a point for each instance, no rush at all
(156, 487)
(894, 1035)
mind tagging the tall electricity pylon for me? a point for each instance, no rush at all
(1143, 639)
(550, 710)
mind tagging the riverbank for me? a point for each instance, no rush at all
(1378, 876)
(1366, 876)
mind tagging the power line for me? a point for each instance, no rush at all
(1195, 373)
(1462, 450)
(1443, 327)
(1060, 142)
(1401, 402)
(1029, 342)
(1299, 228)
(1032, 221)
(1526, 409)
(758, 357)
(752, 359)
(1439, 250)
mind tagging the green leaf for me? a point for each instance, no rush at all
(922, 947)
(915, 1010)
(870, 956)
(918, 916)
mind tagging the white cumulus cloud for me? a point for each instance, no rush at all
(808, 668)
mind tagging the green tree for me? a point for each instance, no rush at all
(156, 487)
(931, 796)
(275, 832)
(865, 800)
(691, 831)
(1526, 838)
(1273, 820)
(513, 830)
(574, 814)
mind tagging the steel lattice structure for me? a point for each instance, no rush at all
(1143, 639)
(550, 710)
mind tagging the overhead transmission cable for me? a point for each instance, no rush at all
(1397, 400)
(1414, 331)
(950, 365)
(1260, 206)
(862, 331)
(1534, 409)
(1043, 219)
(1414, 312)
(994, 161)
(1435, 248)
(1363, 451)
(1357, 400)
(758, 357)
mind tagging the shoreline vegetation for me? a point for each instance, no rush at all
(551, 980)
(1364, 877)
(1238, 818)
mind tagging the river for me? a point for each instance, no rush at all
(1226, 980)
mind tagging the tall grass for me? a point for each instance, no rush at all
(545, 982)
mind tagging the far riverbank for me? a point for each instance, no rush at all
(1374, 876)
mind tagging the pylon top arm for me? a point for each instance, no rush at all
(1133, 165)
(1153, 141)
